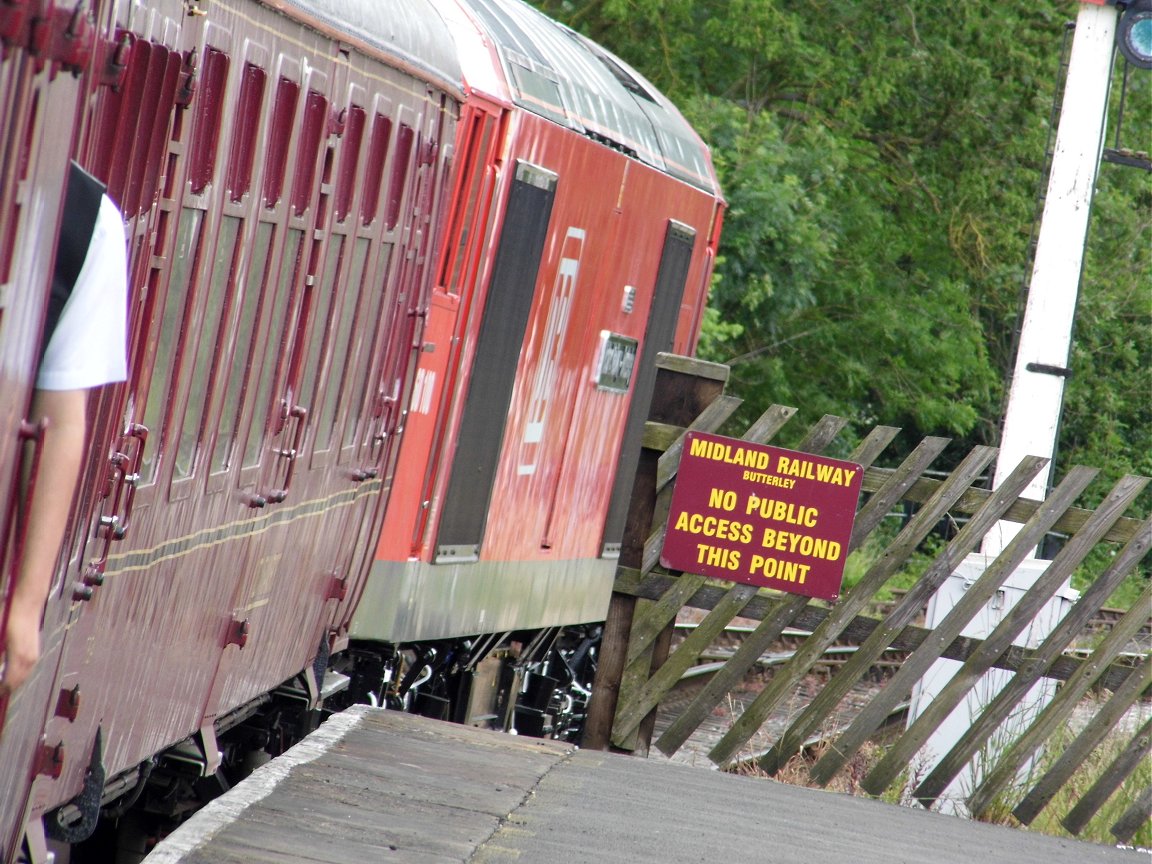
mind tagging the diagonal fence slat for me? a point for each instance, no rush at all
(710, 419)
(1110, 780)
(658, 614)
(1033, 531)
(1075, 753)
(996, 643)
(873, 445)
(1057, 712)
(902, 614)
(890, 494)
(822, 434)
(629, 715)
(1040, 662)
(1134, 817)
(765, 427)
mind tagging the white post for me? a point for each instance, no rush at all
(1036, 392)
(1035, 397)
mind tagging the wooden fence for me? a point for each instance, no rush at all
(638, 669)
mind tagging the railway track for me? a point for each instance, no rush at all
(790, 639)
(695, 750)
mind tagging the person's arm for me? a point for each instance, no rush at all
(47, 516)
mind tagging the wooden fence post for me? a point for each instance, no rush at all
(684, 388)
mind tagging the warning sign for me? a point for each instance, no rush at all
(763, 515)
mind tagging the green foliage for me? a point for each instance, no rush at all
(882, 163)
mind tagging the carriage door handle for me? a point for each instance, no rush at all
(298, 414)
(125, 476)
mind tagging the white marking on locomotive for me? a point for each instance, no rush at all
(544, 381)
(423, 390)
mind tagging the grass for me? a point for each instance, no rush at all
(797, 772)
(1098, 762)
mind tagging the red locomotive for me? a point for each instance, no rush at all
(398, 275)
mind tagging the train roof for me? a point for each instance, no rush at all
(555, 72)
(548, 69)
(409, 34)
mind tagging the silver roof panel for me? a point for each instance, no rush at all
(557, 73)
(411, 31)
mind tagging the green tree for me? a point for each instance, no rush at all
(882, 163)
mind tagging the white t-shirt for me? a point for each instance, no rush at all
(88, 346)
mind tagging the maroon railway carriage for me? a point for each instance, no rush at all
(282, 174)
(449, 225)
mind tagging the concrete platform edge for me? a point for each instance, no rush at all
(223, 811)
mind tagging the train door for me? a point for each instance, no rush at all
(294, 275)
(437, 374)
(388, 391)
(259, 252)
(33, 164)
(506, 312)
(375, 380)
(126, 145)
(310, 261)
(254, 402)
(39, 105)
(659, 335)
(401, 319)
(359, 319)
(134, 94)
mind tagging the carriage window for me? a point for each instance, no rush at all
(168, 342)
(315, 123)
(279, 137)
(274, 347)
(241, 365)
(206, 132)
(207, 347)
(476, 155)
(119, 115)
(377, 155)
(404, 140)
(372, 326)
(247, 123)
(322, 308)
(130, 141)
(342, 340)
(349, 161)
(8, 240)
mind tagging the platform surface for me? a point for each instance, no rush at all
(379, 786)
